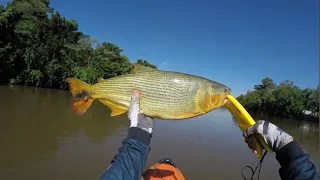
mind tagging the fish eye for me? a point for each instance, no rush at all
(227, 90)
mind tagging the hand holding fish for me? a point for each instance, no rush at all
(136, 116)
(275, 137)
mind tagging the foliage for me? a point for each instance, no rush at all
(40, 47)
(145, 63)
(285, 99)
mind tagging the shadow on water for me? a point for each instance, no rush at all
(35, 122)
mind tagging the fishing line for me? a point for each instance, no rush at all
(254, 171)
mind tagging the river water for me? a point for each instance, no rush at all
(42, 138)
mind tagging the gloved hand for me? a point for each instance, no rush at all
(275, 137)
(136, 116)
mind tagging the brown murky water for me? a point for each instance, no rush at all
(41, 138)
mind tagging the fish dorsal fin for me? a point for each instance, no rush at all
(100, 79)
(141, 68)
(116, 109)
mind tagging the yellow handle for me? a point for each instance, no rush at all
(245, 121)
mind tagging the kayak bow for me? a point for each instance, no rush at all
(165, 169)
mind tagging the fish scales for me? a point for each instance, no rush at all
(159, 91)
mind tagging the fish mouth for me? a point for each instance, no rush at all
(220, 99)
(227, 92)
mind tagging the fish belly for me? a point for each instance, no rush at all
(164, 95)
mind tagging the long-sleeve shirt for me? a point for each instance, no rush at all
(129, 163)
(295, 164)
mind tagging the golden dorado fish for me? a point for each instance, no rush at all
(163, 94)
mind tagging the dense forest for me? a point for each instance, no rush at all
(39, 47)
(285, 100)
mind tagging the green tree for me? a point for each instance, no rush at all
(312, 99)
(267, 84)
(288, 101)
(145, 63)
(285, 99)
(40, 47)
(264, 91)
(109, 62)
(251, 101)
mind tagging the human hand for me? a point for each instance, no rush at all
(136, 116)
(275, 137)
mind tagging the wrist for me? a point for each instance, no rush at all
(144, 123)
(139, 134)
(284, 139)
(148, 129)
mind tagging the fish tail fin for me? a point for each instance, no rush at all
(80, 93)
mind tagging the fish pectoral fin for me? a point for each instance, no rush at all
(116, 109)
(141, 68)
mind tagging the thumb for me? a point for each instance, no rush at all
(250, 131)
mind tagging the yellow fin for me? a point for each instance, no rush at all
(100, 79)
(141, 68)
(116, 109)
(79, 91)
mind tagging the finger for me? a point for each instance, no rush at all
(252, 146)
(134, 107)
(245, 136)
(257, 128)
(135, 98)
(135, 92)
(250, 131)
(260, 121)
(248, 139)
(255, 152)
(225, 102)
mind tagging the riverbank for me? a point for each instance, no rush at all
(303, 117)
(284, 99)
(266, 116)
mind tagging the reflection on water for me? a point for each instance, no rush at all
(43, 139)
(34, 122)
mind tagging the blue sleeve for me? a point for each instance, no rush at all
(295, 164)
(131, 158)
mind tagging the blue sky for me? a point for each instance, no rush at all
(233, 42)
